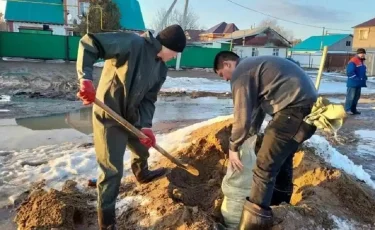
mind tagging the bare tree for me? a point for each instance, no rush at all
(176, 17)
(269, 22)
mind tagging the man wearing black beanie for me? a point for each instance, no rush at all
(133, 73)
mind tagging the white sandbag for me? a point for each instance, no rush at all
(236, 185)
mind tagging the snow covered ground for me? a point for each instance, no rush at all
(57, 163)
(333, 84)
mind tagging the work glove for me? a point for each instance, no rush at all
(234, 161)
(150, 141)
(86, 92)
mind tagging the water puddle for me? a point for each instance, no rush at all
(75, 126)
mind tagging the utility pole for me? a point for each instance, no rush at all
(321, 44)
(178, 62)
(165, 18)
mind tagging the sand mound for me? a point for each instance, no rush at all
(323, 196)
(65, 209)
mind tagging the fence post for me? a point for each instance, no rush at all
(321, 68)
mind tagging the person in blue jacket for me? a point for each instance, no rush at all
(356, 72)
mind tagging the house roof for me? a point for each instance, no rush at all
(368, 23)
(37, 11)
(313, 43)
(193, 35)
(222, 28)
(256, 40)
(131, 14)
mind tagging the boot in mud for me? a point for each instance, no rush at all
(104, 219)
(255, 218)
(144, 175)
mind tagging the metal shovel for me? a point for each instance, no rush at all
(139, 134)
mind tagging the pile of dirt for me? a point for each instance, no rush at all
(66, 209)
(322, 195)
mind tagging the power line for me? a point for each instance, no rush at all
(285, 20)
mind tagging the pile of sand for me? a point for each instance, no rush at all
(182, 201)
(64, 210)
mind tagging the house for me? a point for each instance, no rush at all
(29, 17)
(364, 35)
(257, 42)
(335, 42)
(131, 14)
(58, 17)
(218, 31)
(193, 35)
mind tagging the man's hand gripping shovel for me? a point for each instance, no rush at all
(139, 134)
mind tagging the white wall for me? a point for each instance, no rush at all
(56, 29)
(72, 8)
(308, 60)
(247, 51)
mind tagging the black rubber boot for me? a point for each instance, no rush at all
(255, 218)
(106, 221)
(144, 175)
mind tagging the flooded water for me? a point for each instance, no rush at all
(76, 126)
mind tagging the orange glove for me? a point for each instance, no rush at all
(151, 140)
(86, 92)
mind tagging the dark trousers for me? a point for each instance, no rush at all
(285, 132)
(352, 98)
(110, 141)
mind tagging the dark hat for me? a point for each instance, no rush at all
(173, 37)
(361, 51)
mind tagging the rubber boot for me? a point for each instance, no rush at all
(144, 175)
(255, 218)
(105, 221)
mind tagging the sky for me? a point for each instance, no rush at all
(337, 14)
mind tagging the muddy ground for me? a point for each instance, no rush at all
(182, 201)
(56, 80)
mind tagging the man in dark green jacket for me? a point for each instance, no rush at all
(133, 73)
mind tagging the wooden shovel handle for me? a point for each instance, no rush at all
(139, 134)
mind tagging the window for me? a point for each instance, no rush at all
(254, 52)
(83, 8)
(70, 33)
(275, 52)
(363, 34)
(348, 43)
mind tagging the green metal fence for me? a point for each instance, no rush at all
(45, 46)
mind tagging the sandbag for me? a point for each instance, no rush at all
(236, 185)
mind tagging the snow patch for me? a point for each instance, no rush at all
(338, 160)
(187, 84)
(4, 98)
(57, 163)
(343, 224)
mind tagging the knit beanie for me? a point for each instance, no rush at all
(361, 51)
(173, 37)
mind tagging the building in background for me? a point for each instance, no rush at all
(193, 35)
(219, 31)
(58, 17)
(335, 42)
(364, 36)
(257, 42)
(29, 17)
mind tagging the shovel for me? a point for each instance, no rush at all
(139, 134)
